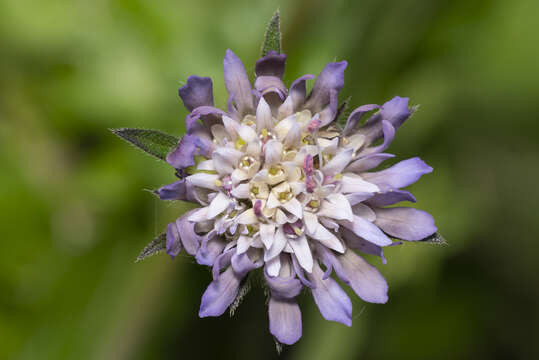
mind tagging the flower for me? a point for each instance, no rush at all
(282, 188)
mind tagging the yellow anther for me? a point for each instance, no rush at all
(338, 176)
(275, 170)
(264, 132)
(239, 143)
(218, 182)
(314, 204)
(307, 139)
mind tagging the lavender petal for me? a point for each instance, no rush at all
(198, 91)
(399, 175)
(272, 64)
(220, 294)
(332, 301)
(285, 320)
(237, 83)
(405, 223)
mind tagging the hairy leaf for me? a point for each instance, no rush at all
(342, 113)
(244, 289)
(272, 38)
(155, 247)
(153, 142)
(435, 238)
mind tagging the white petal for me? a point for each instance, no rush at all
(246, 133)
(230, 126)
(294, 207)
(241, 191)
(338, 163)
(238, 176)
(204, 180)
(353, 183)
(244, 242)
(293, 136)
(263, 116)
(206, 165)
(286, 108)
(218, 205)
(273, 266)
(247, 217)
(310, 220)
(356, 141)
(339, 211)
(327, 238)
(280, 217)
(199, 215)
(342, 203)
(272, 201)
(273, 150)
(219, 133)
(267, 232)
(303, 252)
(279, 242)
(283, 127)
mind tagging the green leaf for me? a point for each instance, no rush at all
(342, 113)
(435, 238)
(155, 247)
(272, 38)
(153, 142)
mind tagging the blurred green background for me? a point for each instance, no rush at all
(74, 215)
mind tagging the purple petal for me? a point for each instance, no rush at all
(242, 264)
(189, 146)
(221, 262)
(174, 246)
(399, 175)
(331, 78)
(360, 244)
(355, 117)
(390, 198)
(208, 254)
(389, 135)
(395, 111)
(208, 114)
(269, 84)
(405, 223)
(362, 277)
(237, 83)
(220, 294)
(298, 91)
(367, 230)
(285, 320)
(190, 239)
(197, 92)
(272, 64)
(179, 190)
(368, 162)
(332, 301)
(283, 287)
(300, 273)
(328, 114)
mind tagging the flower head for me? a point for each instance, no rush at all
(282, 188)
